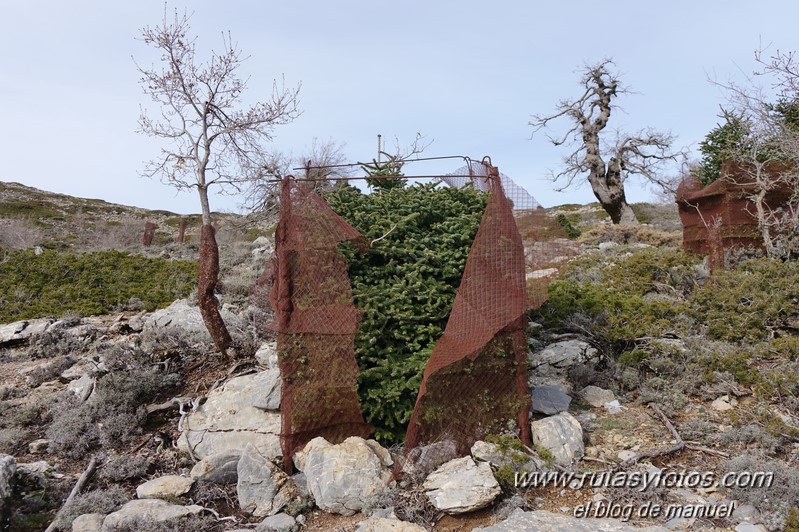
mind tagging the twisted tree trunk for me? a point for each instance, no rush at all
(206, 299)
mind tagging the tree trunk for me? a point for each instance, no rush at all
(609, 190)
(206, 299)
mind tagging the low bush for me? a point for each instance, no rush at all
(57, 284)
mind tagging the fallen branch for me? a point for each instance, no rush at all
(707, 450)
(75, 491)
(679, 446)
(175, 402)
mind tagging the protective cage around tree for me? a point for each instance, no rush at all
(475, 381)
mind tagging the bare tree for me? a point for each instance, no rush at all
(211, 138)
(606, 167)
(767, 150)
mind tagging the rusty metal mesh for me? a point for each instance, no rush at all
(475, 382)
(316, 322)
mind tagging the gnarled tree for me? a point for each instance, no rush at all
(606, 169)
(211, 138)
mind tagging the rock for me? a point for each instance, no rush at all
(38, 446)
(278, 523)
(461, 486)
(8, 467)
(538, 274)
(550, 400)
(552, 522)
(19, 332)
(343, 478)
(613, 407)
(516, 460)
(164, 487)
(746, 513)
(561, 435)
(88, 523)
(381, 524)
(596, 396)
(151, 509)
(262, 487)
(723, 404)
(626, 455)
(267, 355)
(227, 422)
(421, 460)
(266, 395)
(749, 527)
(557, 358)
(217, 469)
(83, 387)
(184, 318)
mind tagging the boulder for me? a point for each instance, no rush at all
(8, 467)
(561, 435)
(151, 509)
(278, 523)
(88, 523)
(421, 460)
(596, 396)
(227, 422)
(182, 317)
(550, 400)
(344, 477)
(165, 487)
(262, 488)
(556, 359)
(83, 387)
(266, 395)
(217, 469)
(461, 486)
(19, 332)
(552, 522)
(515, 460)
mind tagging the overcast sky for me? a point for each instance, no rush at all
(468, 75)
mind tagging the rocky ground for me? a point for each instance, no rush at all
(158, 432)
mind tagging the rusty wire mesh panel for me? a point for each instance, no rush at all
(475, 382)
(316, 322)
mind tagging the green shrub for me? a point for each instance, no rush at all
(404, 286)
(566, 224)
(60, 284)
(750, 302)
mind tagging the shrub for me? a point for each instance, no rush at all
(103, 501)
(114, 414)
(750, 302)
(405, 286)
(58, 284)
(123, 467)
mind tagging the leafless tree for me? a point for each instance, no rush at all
(605, 166)
(211, 138)
(768, 156)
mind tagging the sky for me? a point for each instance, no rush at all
(467, 75)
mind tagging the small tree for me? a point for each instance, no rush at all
(211, 137)
(606, 169)
(763, 137)
(382, 171)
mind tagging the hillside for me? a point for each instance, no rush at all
(642, 365)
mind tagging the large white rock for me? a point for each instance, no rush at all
(152, 509)
(164, 487)
(262, 488)
(461, 486)
(227, 422)
(344, 477)
(185, 318)
(20, 331)
(217, 469)
(267, 390)
(561, 435)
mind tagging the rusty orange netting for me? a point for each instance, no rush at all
(475, 382)
(316, 322)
